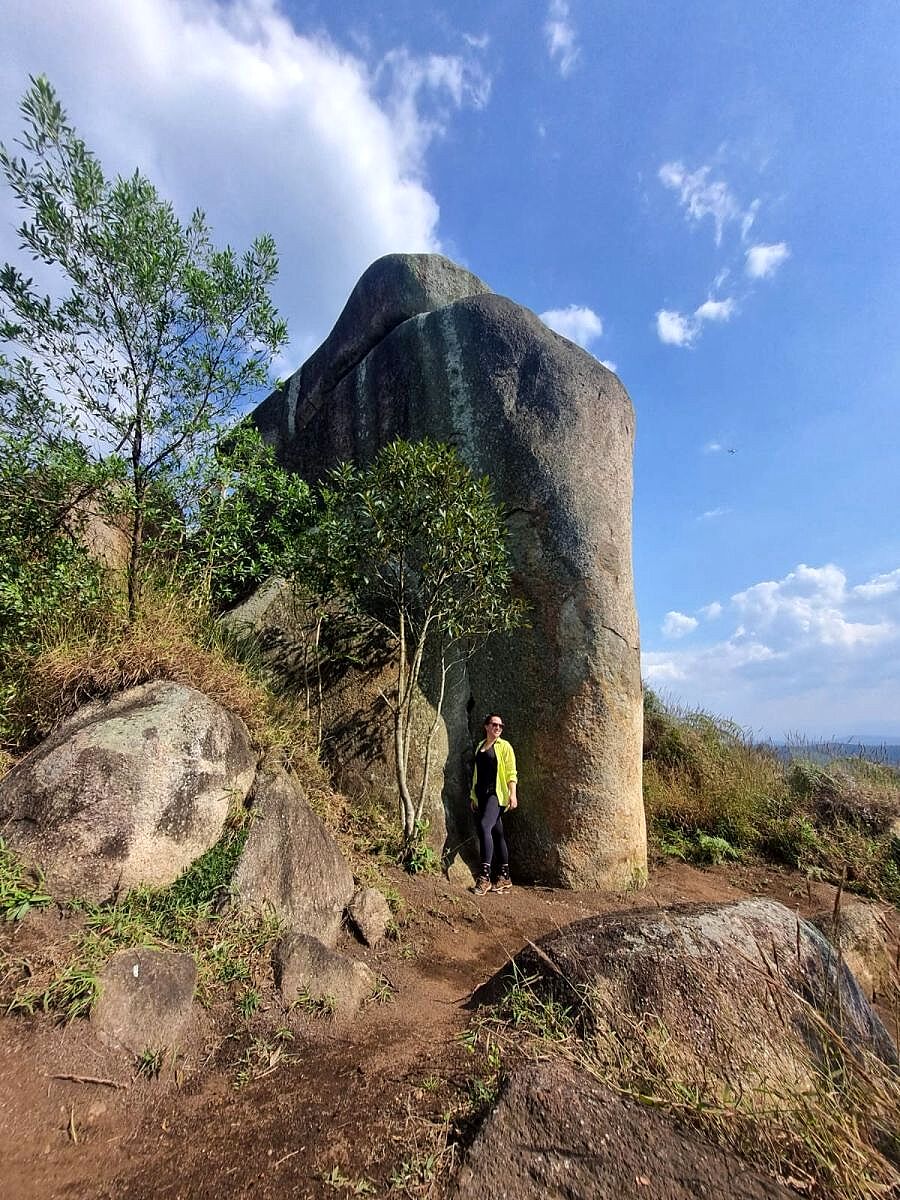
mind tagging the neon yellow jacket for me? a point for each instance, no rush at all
(506, 771)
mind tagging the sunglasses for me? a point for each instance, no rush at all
(495, 724)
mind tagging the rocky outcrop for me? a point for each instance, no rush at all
(745, 992)
(145, 1000)
(127, 791)
(290, 861)
(423, 348)
(305, 970)
(344, 668)
(556, 1134)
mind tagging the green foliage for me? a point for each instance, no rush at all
(148, 352)
(315, 1006)
(250, 520)
(417, 544)
(46, 575)
(149, 1063)
(417, 855)
(263, 1057)
(19, 894)
(229, 945)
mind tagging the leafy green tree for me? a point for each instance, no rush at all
(418, 544)
(249, 520)
(157, 335)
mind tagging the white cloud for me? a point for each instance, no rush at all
(715, 310)
(713, 448)
(560, 36)
(700, 196)
(682, 329)
(677, 624)
(227, 106)
(675, 329)
(477, 42)
(609, 364)
(578, 324)
(712, 513)
(807, 652)
(765, 258)
(882, 585)
(657, 669)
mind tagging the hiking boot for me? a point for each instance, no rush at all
(482, 885)
(503, 883)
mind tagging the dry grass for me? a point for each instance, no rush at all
(838, 1138)
(712, 794)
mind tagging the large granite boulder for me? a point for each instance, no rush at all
(424, 349)
(127, 791)
(746, 993)
(291, 862)
(557, 1134)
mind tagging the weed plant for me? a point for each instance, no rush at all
(20, 891)
(712, 795)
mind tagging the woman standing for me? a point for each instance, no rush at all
(493, 790)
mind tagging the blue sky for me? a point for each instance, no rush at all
(704, 194)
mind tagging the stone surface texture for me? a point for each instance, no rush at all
(424, 349)
(370, 914)
(860, 933)
(304, 967)
(737, 988)
(127, 791)
(350, 667)
(290, 861)
(145, 999)
(556, 1134)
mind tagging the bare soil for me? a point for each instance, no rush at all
(347, 1109)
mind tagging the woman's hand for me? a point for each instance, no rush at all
(513, 798)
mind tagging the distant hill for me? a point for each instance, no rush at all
(874, 749)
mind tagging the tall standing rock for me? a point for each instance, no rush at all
(423, 348)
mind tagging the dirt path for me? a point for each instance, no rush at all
(345, 1105)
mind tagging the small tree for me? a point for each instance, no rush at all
(417, 543)
(159, 336)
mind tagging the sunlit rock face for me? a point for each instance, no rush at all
(424, 348)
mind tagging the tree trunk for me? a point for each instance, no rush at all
(134, 557)
(426, 766)
(401, 738)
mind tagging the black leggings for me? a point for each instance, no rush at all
(490, 832)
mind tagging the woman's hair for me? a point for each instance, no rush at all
(490, 717)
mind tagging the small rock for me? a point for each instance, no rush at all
(370, 914)
(460, 873)
(145, 999)
(306, 968)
